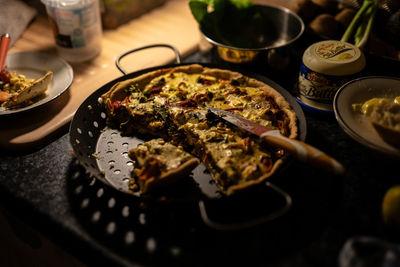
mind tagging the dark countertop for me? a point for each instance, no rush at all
(49, 190)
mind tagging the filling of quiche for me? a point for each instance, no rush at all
(11, 83)
(16, 89)
(172, 106)
(156, 160)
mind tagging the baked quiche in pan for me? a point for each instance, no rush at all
(171, 104)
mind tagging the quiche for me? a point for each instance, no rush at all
(171, 103)
(17, 90)
(159, 163)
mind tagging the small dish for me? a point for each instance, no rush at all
(35, 65)
(356, 125)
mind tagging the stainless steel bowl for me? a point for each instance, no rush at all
(280, 28)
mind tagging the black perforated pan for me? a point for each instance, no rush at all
(103, 151)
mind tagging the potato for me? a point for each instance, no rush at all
(345, 16)
(327, 6)
(306, 9)
(379, 47)
(325, 25)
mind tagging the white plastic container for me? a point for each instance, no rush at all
(326, 66)
(77, 28)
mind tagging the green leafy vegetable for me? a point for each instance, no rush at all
(232, 22)
(199, 8)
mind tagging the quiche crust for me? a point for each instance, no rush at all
(158, 164)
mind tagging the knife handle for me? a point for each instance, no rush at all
(303, 152)
(4, 43)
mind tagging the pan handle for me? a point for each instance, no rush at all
(118, 64)
(250, 223)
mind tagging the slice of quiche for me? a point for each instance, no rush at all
(159, 163)
(16, 89)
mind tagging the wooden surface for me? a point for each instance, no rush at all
(171, 24)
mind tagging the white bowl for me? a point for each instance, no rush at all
(356, 125)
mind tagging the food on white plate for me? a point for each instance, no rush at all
(384, 114)
(17, 90)
(171, 103)
(159, 163)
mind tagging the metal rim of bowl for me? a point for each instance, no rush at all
(284, 10)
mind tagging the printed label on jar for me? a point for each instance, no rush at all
(76, 27)
(318, 90)
(335, 51)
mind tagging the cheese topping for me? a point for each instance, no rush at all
(154, 158)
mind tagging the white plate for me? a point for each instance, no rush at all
(354, 123)
(35, 65)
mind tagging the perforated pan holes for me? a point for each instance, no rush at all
(175, 251)
(112, 149)
(111, 203)
(96, 216)
(129, 237)
(111, 227)
(151, 245)
(125, 211)
(105, 211)
(109, 215)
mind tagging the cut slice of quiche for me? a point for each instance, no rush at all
(19, 90)
(159, 163)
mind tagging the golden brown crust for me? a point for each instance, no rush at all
(117, 92)
(173, 175)
(239, 187)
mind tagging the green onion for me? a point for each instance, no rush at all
(363, 41)
(360, 27)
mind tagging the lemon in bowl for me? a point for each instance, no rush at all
(391, 208)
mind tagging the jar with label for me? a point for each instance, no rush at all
(77, 28)
(325, 67)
